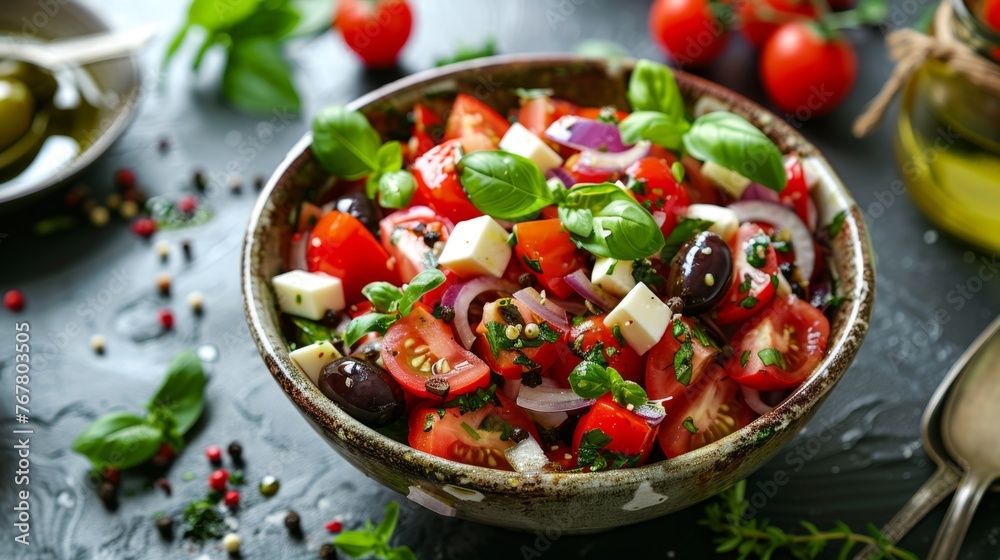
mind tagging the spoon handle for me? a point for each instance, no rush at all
(937, 487)
(956, 522)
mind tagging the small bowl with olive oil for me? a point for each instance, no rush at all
(57, 121)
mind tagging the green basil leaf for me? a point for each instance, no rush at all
(356, 544)
(503, 185)
(344, 143)
(623, 230)
(591, 444)
(654, 126)
(683, 362)
(578, 221)
(629, 393)
(590, 380)
(401, 553)
(652, 87)
(387, 527)
(390, 156)
(311, 332)
(772, 357)
(213, 15)
(270, 20)
(369, 322)
(396, 189)
(175, 44)
(730, 141)
(677, 170)
(686, 229)
(383, 295)
(118, 439)
(594, 197)
(422, 283)
(182, 391)
(258, 79)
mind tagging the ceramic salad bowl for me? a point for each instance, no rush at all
(569, 502)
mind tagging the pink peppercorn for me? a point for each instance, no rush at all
(335, 526)
(218, 479)
(231, 498)
(214, 454)
(13, 300)
(166, 318)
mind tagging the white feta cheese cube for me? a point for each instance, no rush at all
(308, 294)
(642, 318)
(724, 221)
(312, 358)
(613, 276)
(521, 141)
(726, 179)
(477, 247)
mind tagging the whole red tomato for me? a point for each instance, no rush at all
(690, 31)
(805, 73)
(376, 30)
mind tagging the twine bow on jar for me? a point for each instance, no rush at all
(911, 48)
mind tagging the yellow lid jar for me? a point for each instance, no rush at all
(948, 136)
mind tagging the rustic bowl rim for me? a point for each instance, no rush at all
(323, 412)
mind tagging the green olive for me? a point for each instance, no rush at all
(17, 109)
(40, 81)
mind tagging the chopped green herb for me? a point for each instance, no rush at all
(428, 422)
(836, 224)
(772, 357)
(702, 336)
(744, 286)
(311, 332)
(677, 169)
(533, 264)
(774, 280)
(547, 333)
(593, 454)
(744, 358)
(683, 366)
(471, 431)
(678, 329)
(686, 229)
(616, 331)
(749, 302)
(202, 521)
(782, 246)
(509, 312)
(689, 425)
(643, 271)
(527, 363)
(471, 402)
(756, 250)
(533, 93)
(512, 238)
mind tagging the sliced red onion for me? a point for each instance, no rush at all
(812, 214)
(583, 286)
(618, 161)
(526, 456)
(755, 191)
(586, 134)
(459, 297)
(753, 400)
(659, 217)
(297, 252)
(783, 218)
(564, 176)
(551, 399)
(652, 411)
(572, 307)
(547, 420)
(545, 309)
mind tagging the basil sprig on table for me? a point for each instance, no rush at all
(391, 304)
(721, 137)
(601, 218)
(346, 145)
(121, 439)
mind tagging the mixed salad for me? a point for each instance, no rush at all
(564, 288)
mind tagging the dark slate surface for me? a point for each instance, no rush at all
(859, 460)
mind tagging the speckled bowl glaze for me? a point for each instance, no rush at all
(564, 502)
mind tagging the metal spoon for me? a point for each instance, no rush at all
(945, 479)
(78, 50)
(969, 423)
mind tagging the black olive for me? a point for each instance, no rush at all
(700, 272)
(355, 203)
(364, 390)
(370, 351)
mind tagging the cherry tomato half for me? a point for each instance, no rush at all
(438, 186)
(341, 246)
(546, 249)
(661, 376)
(409, 236)
(419, 347)
(780, 347)
(427, 131)
(504, 362)
(754, 268)
(631, 435)
(590, 337)
(475, 438)
(475, 123)
(709, 410)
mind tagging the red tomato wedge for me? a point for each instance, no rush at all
(546, 249)
(631, 435)
(341, 246)
(427, 131)
(419, 347)
(477, 125)
(709, 410)
(661, 376)
(755, 265)
(796, 192)
(654, 186)
(474, 438)
(438, 186)
(409, 236)
(504, 363)
(537, 113)
(780, 347)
